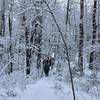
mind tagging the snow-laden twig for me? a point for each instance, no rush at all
(33, 46)
(5, 67)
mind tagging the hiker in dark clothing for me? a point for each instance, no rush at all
(47, 63)
(46, 66)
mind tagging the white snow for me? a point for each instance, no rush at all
(46, 89)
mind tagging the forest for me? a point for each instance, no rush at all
(49, 49)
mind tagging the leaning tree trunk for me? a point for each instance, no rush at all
(91, 61)
(81, 37)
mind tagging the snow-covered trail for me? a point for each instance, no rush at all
(50, 89)
(45, 89)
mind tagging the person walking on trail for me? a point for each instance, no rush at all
(46, 66)
(47, 63)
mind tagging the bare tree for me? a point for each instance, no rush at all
(67, 13)
(28, 51)
(36, 37)
(81, 37)
(2, 18)
(10, 68)
(98, 21)
(91, 61)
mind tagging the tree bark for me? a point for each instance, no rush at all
(28, 51)
(91, 61)
(67, 13)
(81, 37)
(2, 19)
(10, 69)
(98, 21)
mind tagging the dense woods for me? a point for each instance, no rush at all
(67, 31)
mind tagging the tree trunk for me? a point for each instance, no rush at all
(91, 61)
(38, 37)
(81, 37)
(39, 43)
(28, 51)
(10, 69)
(2, 19)
(67, 14)
(98, 21)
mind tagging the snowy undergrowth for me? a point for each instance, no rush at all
(12, 85)
(18, 87)
(46, 89)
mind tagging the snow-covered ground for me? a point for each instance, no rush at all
(45, 89)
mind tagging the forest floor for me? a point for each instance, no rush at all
(46, 88)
